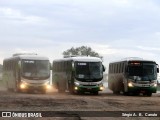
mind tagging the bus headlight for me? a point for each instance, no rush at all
(101, 88)
(22, 86)
(48, 87)
(76, 88)
(130, 84)
(155, 85)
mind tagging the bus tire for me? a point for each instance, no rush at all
(116, 92)
(29, 91)
(95, 92)
(10, 89)
(43, 91)
(136, 93)
(60, 90)
(149, 94)
(17, 90)
(79, 92)
(126, 93)
(71, 89)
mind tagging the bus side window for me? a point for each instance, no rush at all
(127, 69)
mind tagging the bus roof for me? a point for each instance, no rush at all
(28, 57)
(127, 60)
(34, 57)
(81, 59)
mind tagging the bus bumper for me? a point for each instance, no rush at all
(31, 88)
(88, 88)
(151, 89)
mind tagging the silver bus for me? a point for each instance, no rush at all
(78, 74)
(133, 76)
(26, 73)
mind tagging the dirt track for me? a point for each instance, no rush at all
(53, 101)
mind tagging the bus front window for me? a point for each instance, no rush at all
(35, 68)
(89, 70)
(143, 72)
(135, 70)
(82, 70)
(96, 70)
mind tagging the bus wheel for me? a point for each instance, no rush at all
(136, 93)
(149, 94)
(125, 93)
(116, 92)
(71, 89)
(43, 91)
(61, 90)
(80, 92)
(29, 91)
(95, 92)
(17, 89)
(10, 89)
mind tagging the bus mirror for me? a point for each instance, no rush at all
(103, 68)
(157, 68)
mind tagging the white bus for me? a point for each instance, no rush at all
(78, 74)
(133, 76)
(26, 73)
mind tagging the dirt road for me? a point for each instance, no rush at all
(105, 102)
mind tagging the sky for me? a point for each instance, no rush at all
(116, 29)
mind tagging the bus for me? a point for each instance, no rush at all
(78, 74)
(133, 76)
(27, 73)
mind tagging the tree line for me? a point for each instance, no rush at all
(81, 51)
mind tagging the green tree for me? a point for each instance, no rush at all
(81, 51)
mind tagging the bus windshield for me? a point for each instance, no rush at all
(36, 69)
(145, 71)
(88, 70)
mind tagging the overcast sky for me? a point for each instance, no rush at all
(114, 28)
